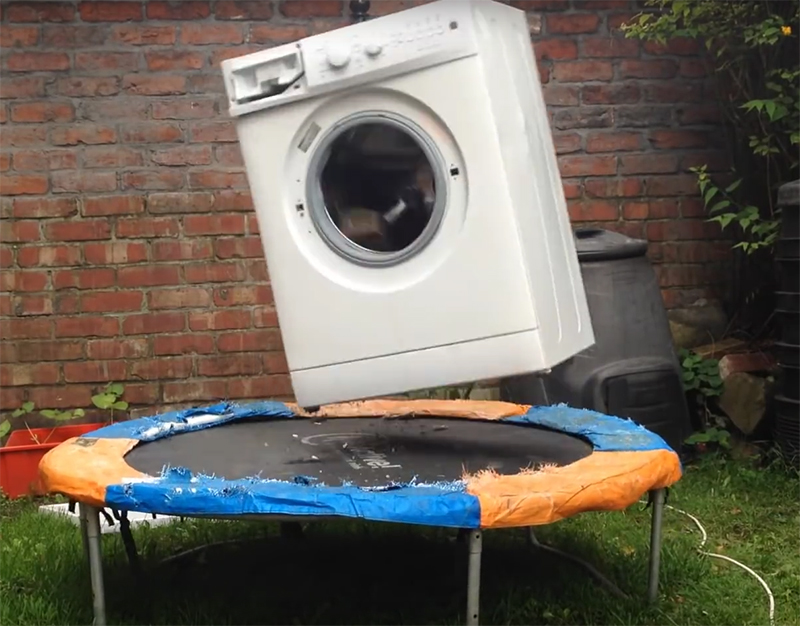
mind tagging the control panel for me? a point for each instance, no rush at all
(390, 45)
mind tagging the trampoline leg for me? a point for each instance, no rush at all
(655, 544)
(474, 577)
(92, 516)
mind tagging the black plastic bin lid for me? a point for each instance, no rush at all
(597, 244)
(789, 194)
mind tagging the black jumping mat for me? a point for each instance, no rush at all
(362, 451)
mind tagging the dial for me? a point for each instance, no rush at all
(338, 55)
(373, 49)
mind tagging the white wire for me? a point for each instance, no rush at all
(729, 559)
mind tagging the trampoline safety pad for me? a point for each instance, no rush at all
(455, 463)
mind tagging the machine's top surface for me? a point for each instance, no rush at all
(361, 451)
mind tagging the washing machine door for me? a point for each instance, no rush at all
(377, 188)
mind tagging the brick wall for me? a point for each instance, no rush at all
(130, 250)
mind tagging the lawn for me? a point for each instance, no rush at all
(353, 573)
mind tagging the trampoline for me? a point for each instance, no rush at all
(470, 465)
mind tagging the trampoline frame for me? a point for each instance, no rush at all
(92, 539)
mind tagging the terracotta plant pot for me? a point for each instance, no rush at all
(19, 458)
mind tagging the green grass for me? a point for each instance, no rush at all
(353, 573)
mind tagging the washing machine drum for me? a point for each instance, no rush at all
(377, 189)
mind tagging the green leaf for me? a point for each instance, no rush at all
(5, 428)
(709, 195)
(719, 206)
(116, 388)
(120, 405)
(79, 413)
(103, 400)
(28, 407)
(733, 186)
(49, 413)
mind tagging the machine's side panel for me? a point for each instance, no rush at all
(534, 181)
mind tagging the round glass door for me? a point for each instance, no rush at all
(377, 189)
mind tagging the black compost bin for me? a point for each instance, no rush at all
(632, 370)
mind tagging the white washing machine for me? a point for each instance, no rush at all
(409, 201)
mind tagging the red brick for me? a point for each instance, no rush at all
(229, 155)
(613, 142)
(112, 301)
(189, 250)
(152, 133)
(572, 166)
(180, 202)
(148, 276)
(555, 49)
(154, 85)
(233, 200)
(681, 229)
(277, 33)
(153, 179)
(33, 160)
(239, 296)
(165, 345)
(161, 369)
(148, 227)
(672, 139)
(28, 375)
(83, 181)
(23, 281)
(21, 136)
(665, 93)
(15, 232)
(24, 184)
(572, 24)
(703, 114)
(693, 68)
(115, 253)
(182, 155)
(182, 10)
(566, 143)
(209, 33)
(6, 308)
(37, 62)
(87, 326)
(62, 397)
(143, 394)
(215, 224)
(117, 11)
(250, 341)
(214, 272)
(19, 36)
(84, 279)
(581, 71)
(257, 270)
(25, 329)
(311, 8)
(213, 132)
(275, 363)
(714, 160)
(88, 86)
(110, 158)
(106, 61)
(147, 35)
(654, 209)
(605, 5)
(5, 160)
(112, 205)
(677, 185)
(616, 20)
(224, 53)
(242, 10)
(117, 348)
(220, 320)
(613, 188)
(115, 109)
(44, 207)
(74, 35)
(67, 303)
(88, 134)
(153, 323)
(22, 87)
(97, 371)
(77, 230)
(195, 391)
(264, 317)
(660, 68)
(230, 365)
(260, 387)
(6, 257)
(33, 305)
(609, 47)
(184, 109)
(169, 60)
(38, 351)
(215, 179)
(238, 247)
(40, 12)
(49, 256)
(648, 163)
(593, 211)
(561, 95)
(679, 46)
(179, 298)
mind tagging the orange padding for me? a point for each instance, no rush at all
(470, 409)
(602, 481)
(83, 468)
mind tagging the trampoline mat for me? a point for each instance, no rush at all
(362, 451)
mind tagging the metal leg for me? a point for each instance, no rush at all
(658, 498)
(84, 532)
(474, 577)
(92, 516)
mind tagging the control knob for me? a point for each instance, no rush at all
(338, 56)
(373, 49)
